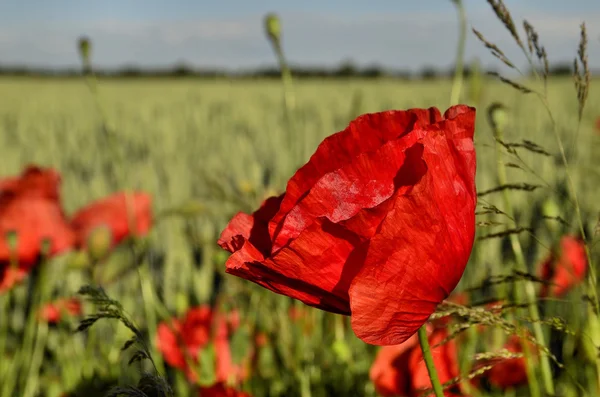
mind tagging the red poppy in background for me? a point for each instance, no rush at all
(34, 182)
(220, 390)
(564, 269)
(512, 372)
(379, 224)
(400, 370)
(597, 125)
(30, 210)
(184, 339)
(116, 212)
(54, 312)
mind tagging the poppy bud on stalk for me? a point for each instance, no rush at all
(273, 29)
(84, 52)
(45, 248)
(79, 260)
(498, 117)
(12, 240)
(551, 210)
(99, 242)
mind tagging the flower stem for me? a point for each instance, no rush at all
(460, 53)
(286, 77)
(428, 357)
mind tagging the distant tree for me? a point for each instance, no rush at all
(373, 71)
(429, 73)
(182, 70)
(346, 69)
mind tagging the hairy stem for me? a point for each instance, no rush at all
(286, 77)
(428, 357)
(460, 53)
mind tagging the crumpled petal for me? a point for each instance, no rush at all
(422, 247)
(379, 224)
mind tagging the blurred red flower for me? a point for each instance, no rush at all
(220, 390)
(512, 372)
(116, 212)
(34, 182)
(564, 269)
(399, 370)
(30, 210)
(379, 224)
(597, 125)
(53, 312)
(184, 339)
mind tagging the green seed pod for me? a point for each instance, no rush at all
(550, 208)
(497, 117)
(273, 28)
(84, 48)
(12, 240)
(99, 243)
(78, 260)
(46, 247)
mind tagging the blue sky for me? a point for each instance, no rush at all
(392, 33)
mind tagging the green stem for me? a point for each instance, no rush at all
(428, 357)
(460, 53)
(304, 384)
(151, 318)
(529, 290)
(286, 77)
(4, 314)
(109, 134)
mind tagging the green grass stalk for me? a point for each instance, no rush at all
(529, 288)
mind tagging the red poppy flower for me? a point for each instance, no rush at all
(185, 339)
(33, 220)
(220, 390)
(512, 372)
(379, 224)
(225, 369)
(53, 312)
(34, 182)
(399, 370)
(116, 212)
(261, 339)
(565, 269)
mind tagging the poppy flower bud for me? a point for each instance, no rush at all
(99, 242)
(498, 117)
(12, 240)
(550, 209)
(84, 45)
(79, 260)
(273, 29)
(45, 247)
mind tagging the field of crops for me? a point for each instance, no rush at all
(205, 150)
